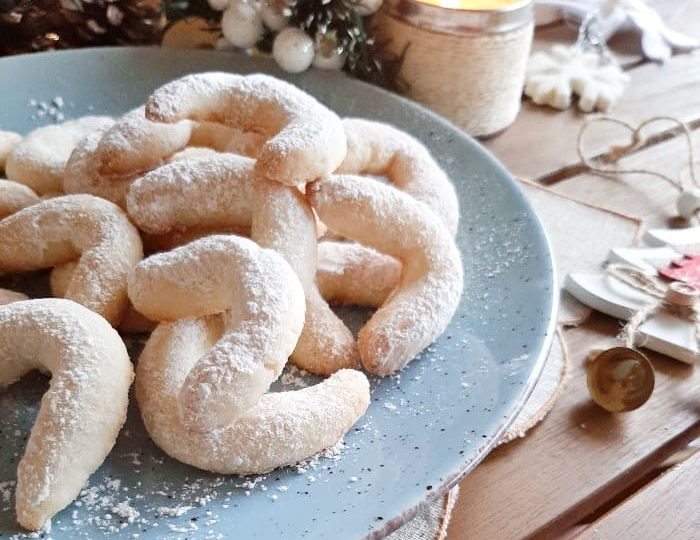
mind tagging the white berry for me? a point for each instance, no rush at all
(688, 203)
(293, 50)
(241, 24)
(218, 5)
(273, 15)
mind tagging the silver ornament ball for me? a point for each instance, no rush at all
(241, 24)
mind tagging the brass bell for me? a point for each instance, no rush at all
(620, 379)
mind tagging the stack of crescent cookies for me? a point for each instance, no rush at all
(257, 207)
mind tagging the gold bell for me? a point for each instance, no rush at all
(620, 379)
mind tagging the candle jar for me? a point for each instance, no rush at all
(466, 64)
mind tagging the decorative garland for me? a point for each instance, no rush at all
(329, 34)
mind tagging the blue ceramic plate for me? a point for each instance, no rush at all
(426, 427)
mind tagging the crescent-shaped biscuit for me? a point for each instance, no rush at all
(392, 222)
(380, 149)
(108, 160)
(223, 138)
(132, 322)
(201, 380)
(8, 140)
(305, 139)
(76, 227)
(7, 296)
(281, 429)
(283, 221)
(38, 161)
(15, 196)
(203, 192)
(135, 144)
(84, 408)
(81, 175)
(352, 274)
(264, 303)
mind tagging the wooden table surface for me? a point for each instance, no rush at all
(584, 472)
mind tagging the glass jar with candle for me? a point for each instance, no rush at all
(465, 59)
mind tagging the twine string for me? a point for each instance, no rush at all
(637, 141)
(655, 288)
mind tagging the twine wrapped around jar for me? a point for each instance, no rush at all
(468, 66)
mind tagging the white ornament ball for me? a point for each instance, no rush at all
(293, 50)
(688, 203)
(241, 24)
(367, 7)
(273, 16)
(218, 5)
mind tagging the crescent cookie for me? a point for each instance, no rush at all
(107, 161)
(381, 149)
(135, 144)
(76, 227)
(352, 274)
(7, 297)
(84, 408)
(8, 140)
(223, 138)
(283, 221)
(214, 275)
(132, 322)
(38, 161)
(392, 222)
(201, 379)
(15, 196)
(202, 192)
(305, 140)
(81, 176)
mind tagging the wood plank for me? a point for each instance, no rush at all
(580, 456)
(638, 195)
(543, 140)
(667, 508)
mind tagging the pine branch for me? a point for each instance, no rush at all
(364, 59)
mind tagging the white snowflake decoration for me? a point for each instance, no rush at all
(554, 76)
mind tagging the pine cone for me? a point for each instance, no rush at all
(37, 25)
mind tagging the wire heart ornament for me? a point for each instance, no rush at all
(605, 165)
